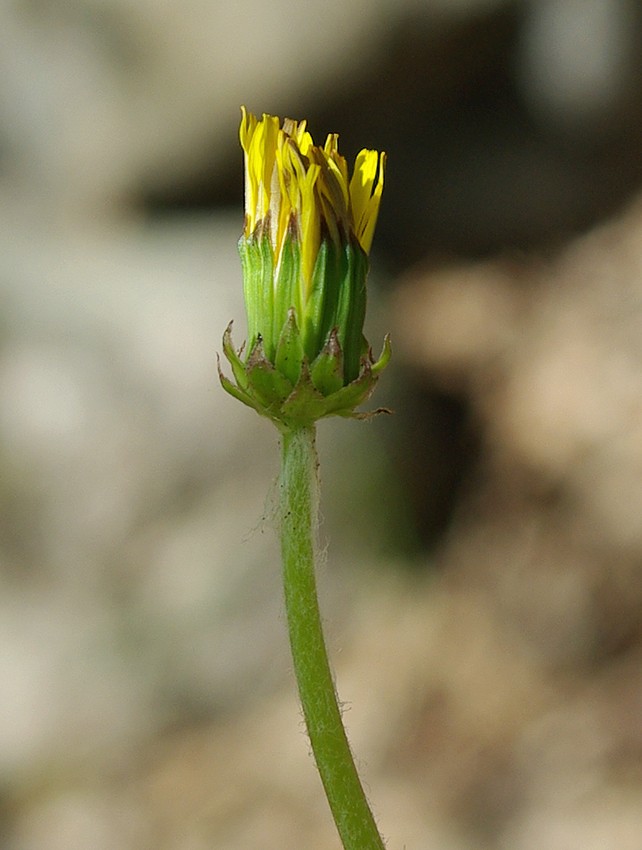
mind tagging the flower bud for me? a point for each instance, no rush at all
(304, 254)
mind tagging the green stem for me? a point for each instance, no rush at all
(298, 519)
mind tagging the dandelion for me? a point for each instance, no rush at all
(304, 253)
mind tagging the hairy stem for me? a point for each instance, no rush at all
(298, 520)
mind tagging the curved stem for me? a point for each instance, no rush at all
(298, 518)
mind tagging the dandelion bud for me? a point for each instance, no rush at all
(304, 253)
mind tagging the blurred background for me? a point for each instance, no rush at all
(483, 589)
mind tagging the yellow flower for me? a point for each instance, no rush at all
(304, 251)
(292, 183)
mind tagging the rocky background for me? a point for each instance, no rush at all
(483, 587)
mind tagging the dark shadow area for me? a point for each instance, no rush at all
(435, 447)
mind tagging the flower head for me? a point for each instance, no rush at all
(291, 182)
(304, 250)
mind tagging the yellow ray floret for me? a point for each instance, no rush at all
(292, 185)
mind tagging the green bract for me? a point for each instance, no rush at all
(297, 370)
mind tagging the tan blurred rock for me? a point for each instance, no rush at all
(549, 358)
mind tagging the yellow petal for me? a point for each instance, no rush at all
(366, 188)
(290, 181)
